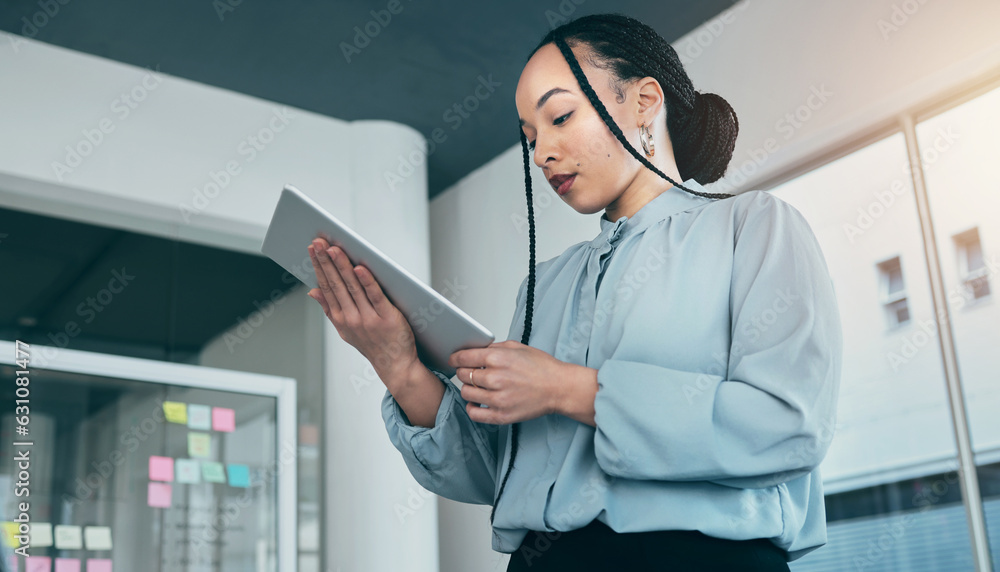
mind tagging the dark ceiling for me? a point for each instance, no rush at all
(79, 286)
(425, 59)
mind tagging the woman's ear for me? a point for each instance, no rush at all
(649, 100)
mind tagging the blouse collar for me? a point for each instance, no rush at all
(667, 203)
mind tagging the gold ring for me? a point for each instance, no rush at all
(470, 378)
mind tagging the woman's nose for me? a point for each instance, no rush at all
(544, 153)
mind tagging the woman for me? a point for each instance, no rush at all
(680, 383)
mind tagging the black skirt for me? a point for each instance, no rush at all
(596, 547)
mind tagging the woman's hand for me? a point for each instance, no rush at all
(518, 383)
(353, 300)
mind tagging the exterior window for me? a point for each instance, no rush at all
(972, 270)
(893, 293)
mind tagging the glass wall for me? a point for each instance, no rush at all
(135, 475)
(893, 497)
(889, 477)
(959, 149)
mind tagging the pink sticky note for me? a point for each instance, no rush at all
(38, 564)
(98, 565)
(161, 468)
(223, 419)
(67, 565)
(160, 495)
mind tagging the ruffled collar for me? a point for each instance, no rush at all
(667, 203)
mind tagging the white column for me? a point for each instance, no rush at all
(367, 482)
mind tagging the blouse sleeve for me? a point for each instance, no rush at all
(457, 458)
(768, 419)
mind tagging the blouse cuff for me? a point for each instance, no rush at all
(409, 431)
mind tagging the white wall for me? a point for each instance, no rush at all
(763, 57)
(152, 170)
(159, 156)
(873, 58)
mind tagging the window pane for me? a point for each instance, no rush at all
(978, 287)
(900, 312)
(960, 149)
(892, 275)
(112, 460)
(974, 256)
(890, 475)
(895, 280)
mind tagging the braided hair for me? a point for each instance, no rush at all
(702, 126)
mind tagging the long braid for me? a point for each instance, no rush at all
(529, 306)
(702, 126)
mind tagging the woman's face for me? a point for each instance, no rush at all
(570, 138)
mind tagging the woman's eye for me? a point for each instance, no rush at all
(558, 121)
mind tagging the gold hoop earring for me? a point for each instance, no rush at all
(647, 140)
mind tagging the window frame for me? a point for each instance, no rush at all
(962, 241)
(860, 137)
(891, 300)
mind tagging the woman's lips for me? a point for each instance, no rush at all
(564, 187)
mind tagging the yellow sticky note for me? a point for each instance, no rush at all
(199, 445)
(176, 412)
(9, 532)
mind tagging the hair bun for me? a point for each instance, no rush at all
(698, 113)
(708, 131)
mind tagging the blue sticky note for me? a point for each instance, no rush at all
(239, 475)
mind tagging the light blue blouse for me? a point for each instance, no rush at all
(716, 335)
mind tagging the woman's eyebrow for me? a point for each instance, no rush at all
(545, 97)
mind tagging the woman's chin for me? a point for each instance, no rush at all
(582, 208)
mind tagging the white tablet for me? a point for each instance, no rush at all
(439, 326)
